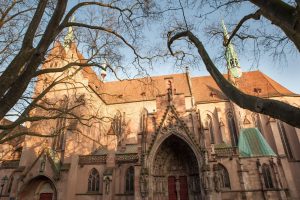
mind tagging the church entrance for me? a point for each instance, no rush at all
(175, 172)
(38, 188)
(46, 196)
(183, 188)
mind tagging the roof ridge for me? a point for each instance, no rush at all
(151, 77)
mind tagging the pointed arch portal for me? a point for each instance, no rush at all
(175, 171)
(39, 188)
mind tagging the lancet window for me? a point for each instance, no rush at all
(266, 172)
(232, 129)
(129, 180)
(225, 181)
(284, 139)
(93, 181)
(210, 129)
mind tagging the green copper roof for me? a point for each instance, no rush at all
(231, 56)
(252, 143)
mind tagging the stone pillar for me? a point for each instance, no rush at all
(109, 178)
(243, 177)
(137, 191)
(72, 178)
(278, 180)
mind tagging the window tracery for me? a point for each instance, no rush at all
(232, 129)
(225, 181)
(129, 180)
(268, 183)
(93, 181)
(284, 139)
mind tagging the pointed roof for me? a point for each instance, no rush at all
(231, 56)
(205, 89)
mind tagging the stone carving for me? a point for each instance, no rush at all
(144, 182)
(107, 181)
(205, 180)
(43, 163)
(217, 181)
(92, 159)
(133, 157)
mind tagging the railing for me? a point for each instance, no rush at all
(133, 157)
(226, 151)
(10, 164)
(92, 159)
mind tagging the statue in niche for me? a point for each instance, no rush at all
(205, 180)
(144, 182)
(43, 163)
(217, 181)
(107, 184)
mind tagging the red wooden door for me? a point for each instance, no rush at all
(172, 188)
(46, 196)
(183, 188)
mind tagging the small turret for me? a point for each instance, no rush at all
(69, 38)
(103, 72)
(232, 60)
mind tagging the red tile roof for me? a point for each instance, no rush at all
(204, 89)
(143, 89)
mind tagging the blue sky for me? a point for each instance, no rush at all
(285, 73)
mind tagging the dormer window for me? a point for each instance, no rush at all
(257, 90)
(212, 94)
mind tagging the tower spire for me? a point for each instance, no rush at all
(232, 60)
(69, 38)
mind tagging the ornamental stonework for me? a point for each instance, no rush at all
(92, 159)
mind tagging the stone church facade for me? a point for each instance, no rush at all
(160, 138)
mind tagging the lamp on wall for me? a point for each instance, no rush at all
(3, 182)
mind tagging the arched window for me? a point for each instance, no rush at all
(210, 129)
(267, 176)
(94, 181)
(232, 129)
(225, 181)
(130, 180)
(284, 139)
(117, 124)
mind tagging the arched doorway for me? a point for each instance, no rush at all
(38, 188)
(175, 171)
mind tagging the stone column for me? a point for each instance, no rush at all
(110, 164)
(278, 180)
(243, 177)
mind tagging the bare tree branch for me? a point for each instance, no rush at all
(273, 108)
